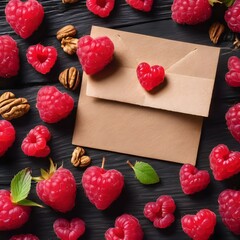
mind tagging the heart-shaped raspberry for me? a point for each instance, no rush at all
(193, 180)
(102, 186)
(142, 5)
(161, 211)
(200, 226)
(94, 54)
(229, 209)
(223, 162)
(69, 230)
(150, 77)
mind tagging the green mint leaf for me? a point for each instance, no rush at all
(228, 3)
(29, 203)
(145, 173)
(21, 185)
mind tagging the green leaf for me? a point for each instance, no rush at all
(21, 185)
(145, 173)
(26, 202)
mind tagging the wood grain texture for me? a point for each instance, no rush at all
(132, 200)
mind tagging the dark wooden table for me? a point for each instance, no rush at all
(156, 23)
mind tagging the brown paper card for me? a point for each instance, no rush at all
(190, 72)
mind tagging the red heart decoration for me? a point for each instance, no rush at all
(66, 230)
(142, 5)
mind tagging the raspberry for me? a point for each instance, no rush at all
(101, 186)
(223, 162)
(42, 58)
(7, 136)
(24, 16)
(232, 17)
(24, 237)
(94, 54)
(66, 230)
(57, 188)
(150, 77)
(191, 12)
(53, 105)
(229, 209)
(232, 77)
(102, 8)
(142, 5)
(233, 121)
(35, 143)
(126, 227)
(200, 226)
(193, 180)
(161, 211)
(9, 57)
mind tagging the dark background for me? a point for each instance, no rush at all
(155, 23)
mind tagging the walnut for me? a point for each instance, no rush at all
(69, 1)
(12, 107)
(236, 42)
(79, 159)
(215, 31)
(69, 45)
(70, 78)
(67, 31)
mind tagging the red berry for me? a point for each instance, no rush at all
(35, 143)
(200, 226)
(102, 8)
(191, 12)
(12, 215)
(233, 121)
(232, 77)
(193, 180)
(53, 105)
(42, 58)
(161, 211)
(223, 162)
(229, 209)
(57, 188)
(232, 17)
(7, 136)
(9, 58)
(24, 237)
(142, 5)
(24, 16)
(126, 227)
(150, 77)
(94, 54)
(66, 230)
(101, 186)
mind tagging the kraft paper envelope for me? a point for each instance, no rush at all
(122, 117)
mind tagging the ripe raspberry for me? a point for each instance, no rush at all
(193, 180)
(142, 5)
(126, 227)
(94, 54)
(223, 162)
(200, 226)
(24, 16)
(191, 12)
(101, 186)
(24, 237)
(57, 188)
(53, 105)
(232, 17)
(232, 77)
(7, 136)
(9, 58)
(66, 230)
(150, 77)
(42, 58)
(161, 211)
(233, 121)
(102, 8)
(229, 209)
(35, 143)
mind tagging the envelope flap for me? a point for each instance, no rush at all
(190, 73)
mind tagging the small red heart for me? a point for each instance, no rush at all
(66, 230)
(142, 5)
(150, 77)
